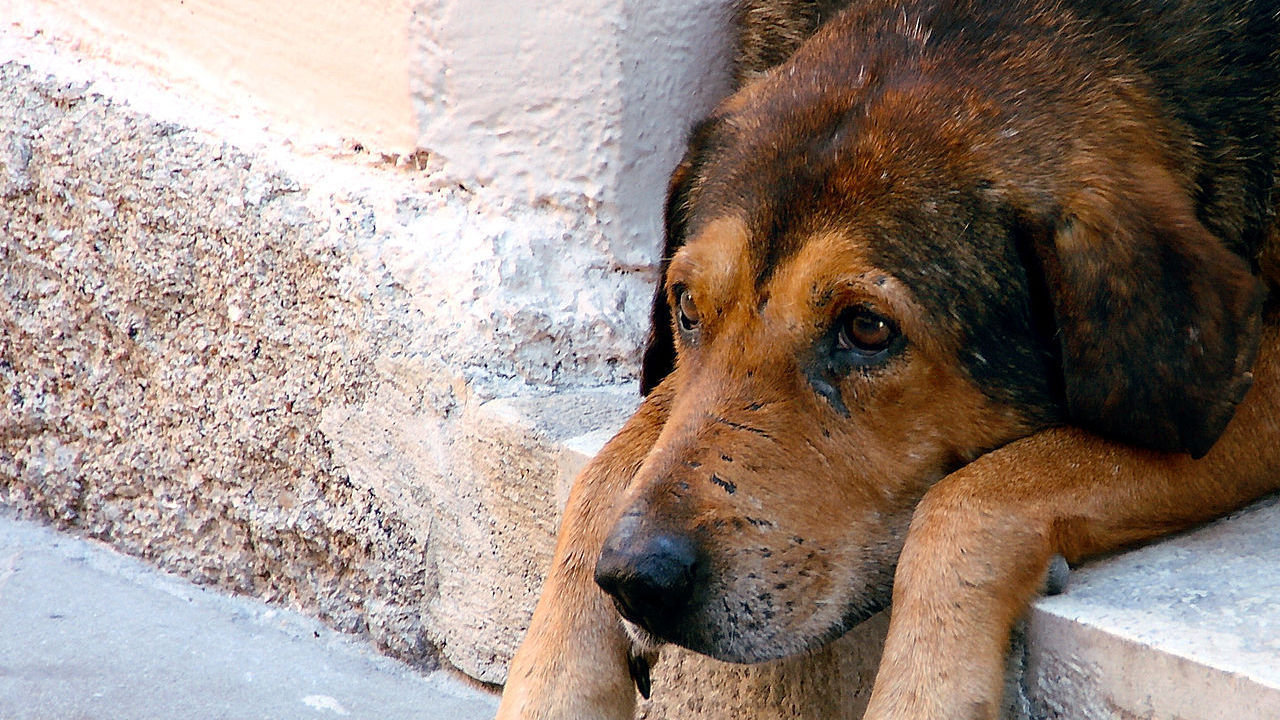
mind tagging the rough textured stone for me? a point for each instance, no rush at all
(262, 370)
(686, 685)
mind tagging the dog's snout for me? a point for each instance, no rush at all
(650, 573)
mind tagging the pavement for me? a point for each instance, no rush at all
(89, 634)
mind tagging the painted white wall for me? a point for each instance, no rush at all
(560, 121)
(576, 99)
(334, 72)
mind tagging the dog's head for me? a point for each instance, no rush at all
(872, 277)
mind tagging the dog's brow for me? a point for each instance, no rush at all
(821, 265)
(715, 258)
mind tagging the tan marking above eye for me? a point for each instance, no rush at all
(712, 265)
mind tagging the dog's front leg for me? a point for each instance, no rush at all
(573, 663)
(982, 538)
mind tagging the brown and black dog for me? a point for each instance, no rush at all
(950, 287)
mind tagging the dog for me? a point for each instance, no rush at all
(950, 288)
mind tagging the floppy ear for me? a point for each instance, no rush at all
(660, 349)
(1158, 322)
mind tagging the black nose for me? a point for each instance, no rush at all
(650, 574)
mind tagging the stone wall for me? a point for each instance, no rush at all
(268, 372)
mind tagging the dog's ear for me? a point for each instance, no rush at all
(660, 349)
(1158, 322)
(770, 31)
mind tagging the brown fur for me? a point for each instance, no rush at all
(1072, 242)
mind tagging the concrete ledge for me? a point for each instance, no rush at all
(1186, 628)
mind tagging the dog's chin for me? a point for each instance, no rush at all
(727, 640)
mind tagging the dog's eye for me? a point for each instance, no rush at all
(865, 332)
(686, 310)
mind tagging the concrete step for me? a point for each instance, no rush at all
(1187, 628)
(95, 635)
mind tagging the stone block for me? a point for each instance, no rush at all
(1188, 628)
(493, 545)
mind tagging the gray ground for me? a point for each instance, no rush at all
(86, 633)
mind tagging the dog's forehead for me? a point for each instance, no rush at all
(922, 207)
(810, 225)
(720, 263)
(790, 179)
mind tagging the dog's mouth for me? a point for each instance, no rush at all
(674, 591)
(738, 635)
(755, 633)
